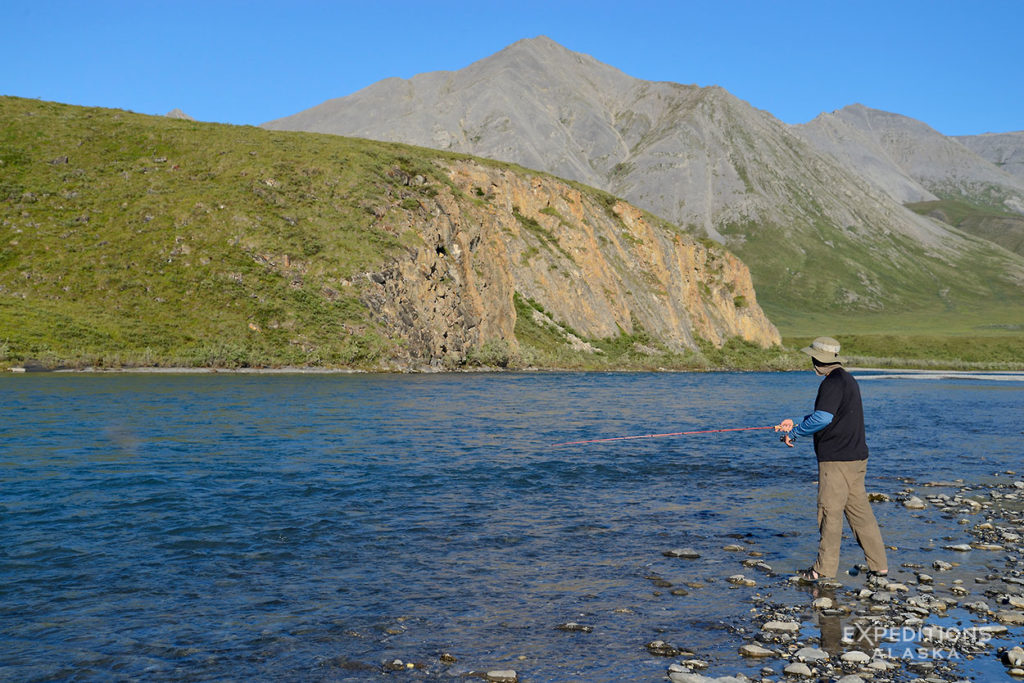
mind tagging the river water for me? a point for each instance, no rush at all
(313, 527)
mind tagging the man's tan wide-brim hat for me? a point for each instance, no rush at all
(824, 350)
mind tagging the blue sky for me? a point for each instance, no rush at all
(957, 66)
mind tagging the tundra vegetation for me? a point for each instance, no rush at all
(130, 240)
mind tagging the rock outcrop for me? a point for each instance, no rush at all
(593, 265)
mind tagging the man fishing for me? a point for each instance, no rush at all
(837, 425)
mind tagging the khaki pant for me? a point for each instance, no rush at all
(841, 491)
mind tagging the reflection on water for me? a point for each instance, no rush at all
(316, 526)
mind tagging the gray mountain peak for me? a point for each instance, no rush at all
(702, 158)
(1005, 150)
(910, 160)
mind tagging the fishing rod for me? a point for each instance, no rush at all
(655, 436)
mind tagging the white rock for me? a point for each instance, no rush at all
(993, 629)
(782, 626)
(914, 503)
(856, 656)
(1015, 656)
(823, 603)
(503, 676)
(754, 650)
(679, 677)
(811, 654)
(797, 669)
(1011, 617)
(741, 580)
(959, 547)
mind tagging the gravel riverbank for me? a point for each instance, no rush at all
(948, 611)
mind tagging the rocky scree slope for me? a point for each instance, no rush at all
(1005, 150)
(923, 164)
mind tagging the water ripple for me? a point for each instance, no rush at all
(311, 527)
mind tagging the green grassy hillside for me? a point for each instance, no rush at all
(1004, 228)
(130, 240)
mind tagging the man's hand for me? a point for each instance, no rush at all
(786, 426)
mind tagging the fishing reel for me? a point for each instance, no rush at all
(786, 427)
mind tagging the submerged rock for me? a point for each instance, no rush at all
(741, 580)
(959, 547)
(660, 648)
(572, 626)
(914, 503)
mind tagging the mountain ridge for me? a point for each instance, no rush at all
(943, 166)
(701, 158)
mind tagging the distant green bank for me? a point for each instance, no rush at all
(930, 351)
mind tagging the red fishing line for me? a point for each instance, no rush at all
(654, 436)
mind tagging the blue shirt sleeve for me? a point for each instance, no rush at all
(812, 423)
